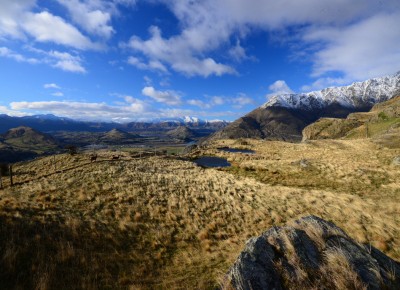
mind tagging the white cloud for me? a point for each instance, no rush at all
(91, 16)
(202, 67)
(167, 97)
(51, 86)
(323, 83)
(199, 103)
(217, 100)
(279, 88)
(45, 27)
(208, 26)
(5, 52)
(242, 100)
(62, 60)
(81, 110)
(237, 102)
(132, 109)
(57, 94)
(125, 2)
(366, 49)
(154, 65)
(148, 81)
(67, 62)
(238, 53)
(179, 54)
(19, 19)
(136, 105)
(7, 111)
(10, 16)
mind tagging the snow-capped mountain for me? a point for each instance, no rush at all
(284, 117)
(355, 96)
(186, 120)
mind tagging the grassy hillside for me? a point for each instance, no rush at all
(24, 143)
(25, 138)
(160, 223)
(382, 124)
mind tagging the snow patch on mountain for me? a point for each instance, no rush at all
(356, 95)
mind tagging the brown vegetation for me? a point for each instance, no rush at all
(162, 223)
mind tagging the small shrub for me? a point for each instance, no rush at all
(383, 116)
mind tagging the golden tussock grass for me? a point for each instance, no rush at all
(163, 223)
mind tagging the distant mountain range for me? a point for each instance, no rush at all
(284, 116)
(52, 123)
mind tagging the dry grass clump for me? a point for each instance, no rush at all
(164, 223)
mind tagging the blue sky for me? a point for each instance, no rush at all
(124, 60)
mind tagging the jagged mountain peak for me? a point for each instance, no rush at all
(358, 95)
(284, 116)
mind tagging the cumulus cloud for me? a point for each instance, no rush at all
(209, 25)
(58, 94)
(19, 19)
(91, 16)
(45, 27)
(279, 87)
(10, 16)
(179, 54)
(67, 62)
(166, 97)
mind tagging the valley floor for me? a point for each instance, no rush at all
(159, 222)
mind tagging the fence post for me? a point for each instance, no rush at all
(11, 176)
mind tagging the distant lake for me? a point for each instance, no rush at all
(209, 161)
(234, 150)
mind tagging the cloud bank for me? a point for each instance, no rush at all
(357, 38)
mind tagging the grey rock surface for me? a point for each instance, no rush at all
(396, 161)
(311, 253)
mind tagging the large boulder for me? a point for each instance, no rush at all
(311, 253)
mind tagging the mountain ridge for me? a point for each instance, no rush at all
(357, 95)
(284, 116)
(51, 123)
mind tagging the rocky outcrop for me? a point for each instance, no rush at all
(311, 253)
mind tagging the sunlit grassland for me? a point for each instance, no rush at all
(158, 222)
